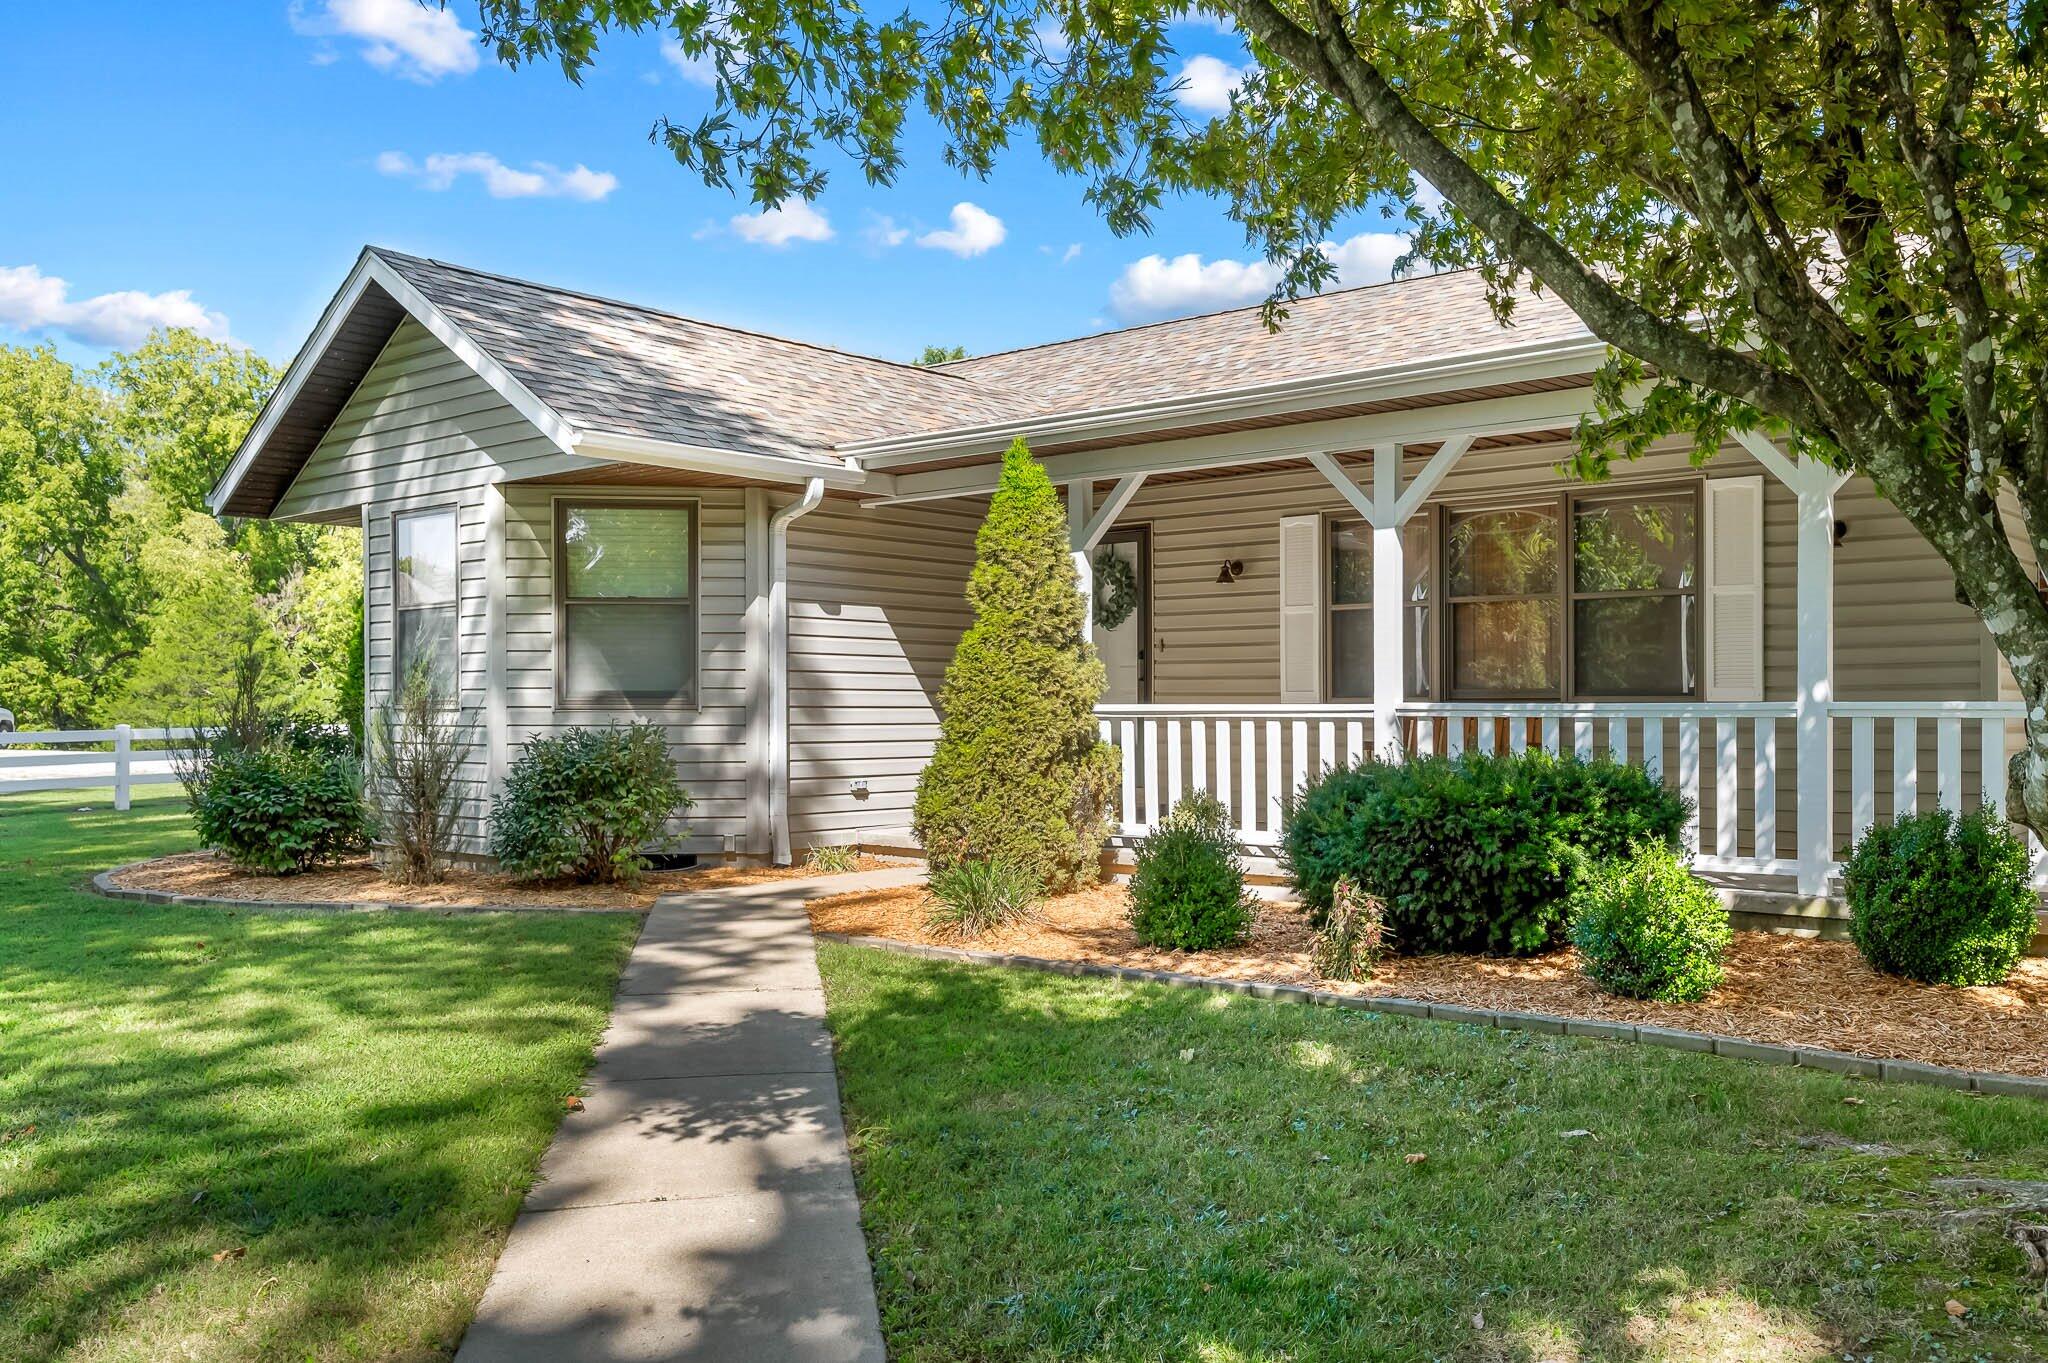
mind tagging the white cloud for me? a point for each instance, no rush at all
(1206, 84)
(974, 232)
(1155, 287)
(696, 70)
(1052, 38)
(539, 181)
(791, 220)
(1065, 257)
(31, 301)
(1428, 197)
(884, 232)
(404, 37)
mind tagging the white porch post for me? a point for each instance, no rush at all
(1815, 485)
(1081, 510)
(1816, 664)
(1389, 601)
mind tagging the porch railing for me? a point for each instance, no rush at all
(1734, 760)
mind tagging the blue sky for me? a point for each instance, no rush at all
(221, 165)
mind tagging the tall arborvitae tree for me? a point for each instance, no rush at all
(1019, 775)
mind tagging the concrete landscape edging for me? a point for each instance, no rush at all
(1734, 1048)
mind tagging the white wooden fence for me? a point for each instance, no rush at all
(85, 759)
(1734, 761)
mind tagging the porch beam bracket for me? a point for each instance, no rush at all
(1431, 477)
(1105, 515)
(1368, 507)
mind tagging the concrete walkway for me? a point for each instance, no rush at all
(701, 1205)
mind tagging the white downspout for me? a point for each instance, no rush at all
(778, 662)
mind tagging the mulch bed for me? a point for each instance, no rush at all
(358, 881)
(1779, 989)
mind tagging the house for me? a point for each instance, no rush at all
(1323, 541)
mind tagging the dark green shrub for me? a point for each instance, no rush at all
(1187, 891)
(1646, 927)
(1018, 775)
(581, 804)
(970, 897)
(1478, 852)
(278, 797)
(1353, 939)
(1941, 899)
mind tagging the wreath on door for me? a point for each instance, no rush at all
(1116, 589)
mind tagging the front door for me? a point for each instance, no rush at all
(1123, 613)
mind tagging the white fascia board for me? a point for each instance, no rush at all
(371, 268)
(1511, 364)
(1478, 419)
(618, 447)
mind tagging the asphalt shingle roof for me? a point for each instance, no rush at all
(1375, 326)
(617, 368)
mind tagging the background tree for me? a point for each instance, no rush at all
(940, 354)
(1824, 218)
(121, 597)
(1018, 775)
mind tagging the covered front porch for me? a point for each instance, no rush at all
(1770, 637)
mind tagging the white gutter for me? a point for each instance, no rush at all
(1509, 364)
(778, 662)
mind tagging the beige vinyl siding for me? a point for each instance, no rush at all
(877, 604)
(708, 739)
(421, 425)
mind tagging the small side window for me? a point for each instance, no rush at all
(424, 571)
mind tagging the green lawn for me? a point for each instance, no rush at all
(1061, 1169)
(356, 1104)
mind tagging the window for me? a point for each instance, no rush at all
(627, 583)
(1635, 595)
(424, 581)
(1351, 608)
(1591, 595)
(1501, 584)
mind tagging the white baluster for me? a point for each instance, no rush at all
(1862, 776)
(1948, 764)
(1617, 738)
(1248, 778)
(1198, 736)
(1354, 742)
(1454, 735)
(1173, 782)
(1151, 772)
(1518, 734)
(1764, 738)
(1300, 755)
(1582, 739)
(1905, 767)
(1326, 745)
(1727, 810)
(1128, 749)
(1653, 747)
(1275, 792)
(1552, 741)
(1991, 752)
(1689, 771)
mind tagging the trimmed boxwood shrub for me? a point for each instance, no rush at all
(283, 798)
(1478, 852)
(1941, 899)
(1187, 891)
(581, 804)
(1646, 927)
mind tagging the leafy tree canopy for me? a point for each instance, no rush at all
(940, 354)
(1824, 218)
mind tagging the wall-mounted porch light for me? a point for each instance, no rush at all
(1233, 569)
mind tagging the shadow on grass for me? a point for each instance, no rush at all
(355, 1104)
(1063, 1169)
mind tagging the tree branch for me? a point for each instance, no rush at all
(1331, 59)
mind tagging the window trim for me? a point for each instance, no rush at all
(690, 697)
(1566, 502)
(453, 511)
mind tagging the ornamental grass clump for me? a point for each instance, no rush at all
(1941, 899)
(1188, 891)
(584, 804)
(1474, 853)
(970, 898)
(1353, 939)
(1019, 775)
(1646, 927)
(417, 742)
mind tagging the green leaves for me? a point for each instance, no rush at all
(583, 804)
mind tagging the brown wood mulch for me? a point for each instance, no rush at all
(1779, 989)
(357, 881)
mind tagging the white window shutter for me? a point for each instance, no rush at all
(1301, 610)
(1733, 592)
